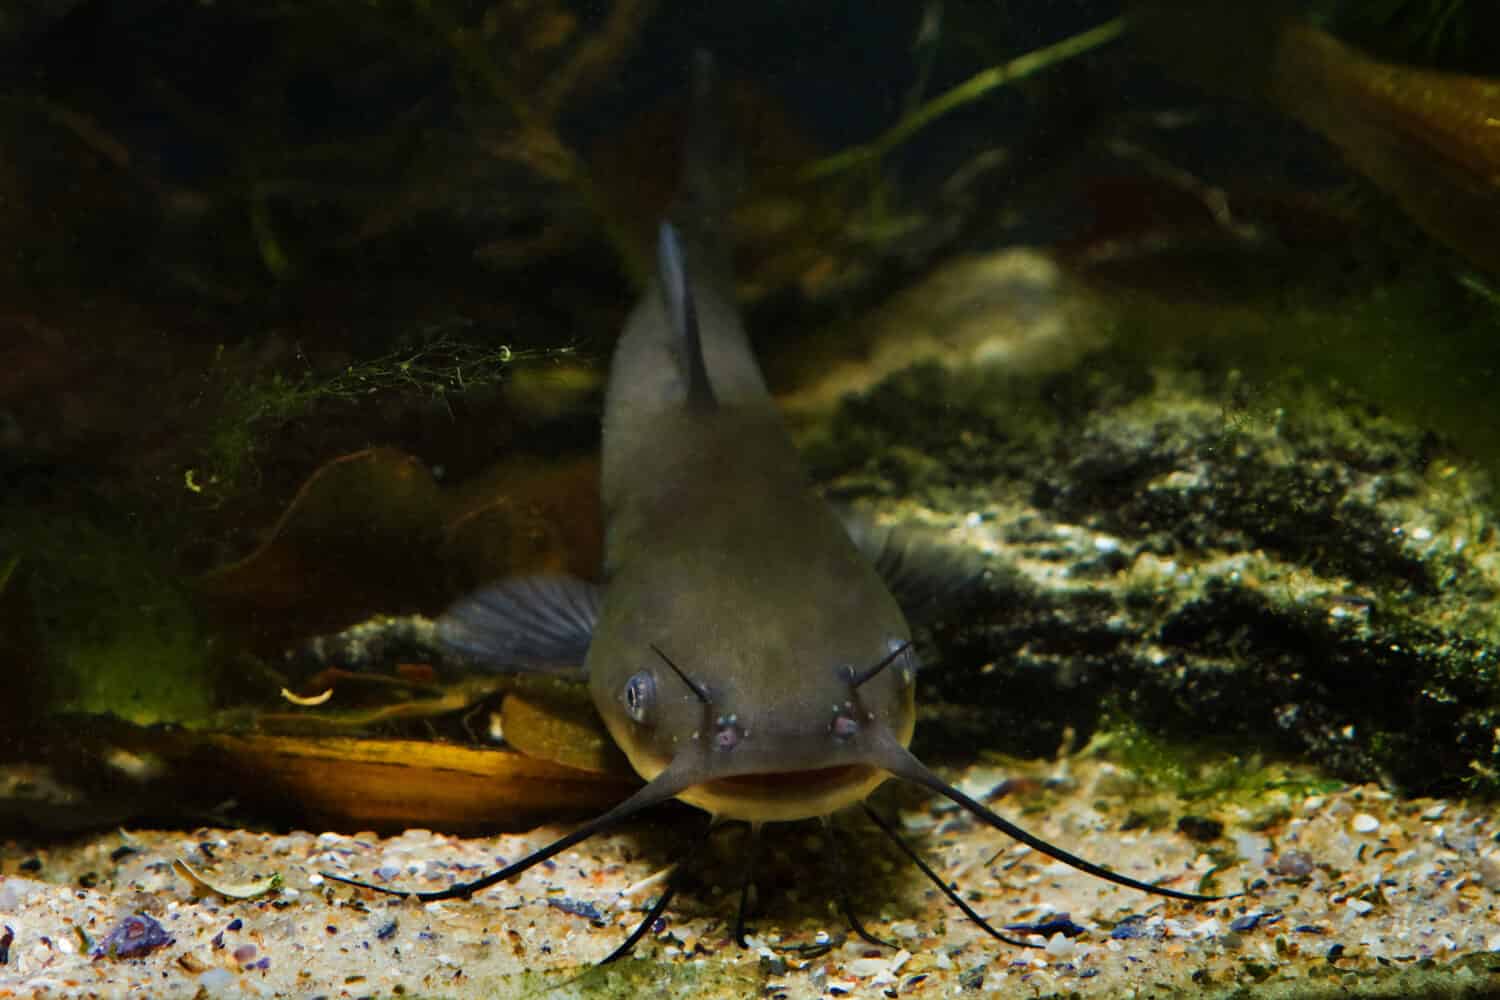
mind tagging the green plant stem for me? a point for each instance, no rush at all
(970, 90)
(539, 131)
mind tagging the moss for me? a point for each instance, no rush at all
(246, 410)
(1476, 975)
(1199, 772)
(118, 634)
(141, 674)
(1418, 346)
(1229, 537)
(627, 979)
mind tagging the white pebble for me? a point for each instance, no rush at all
(13, 892)
(217, 981)
(1061, 946)
(1359, 906)
(1489, 868)
(864, 968)
(1365, 823)
(1251, 846)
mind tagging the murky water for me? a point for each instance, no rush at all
(1149, 353)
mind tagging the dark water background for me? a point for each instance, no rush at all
(245, 240)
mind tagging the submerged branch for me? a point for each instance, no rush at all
(538, 143)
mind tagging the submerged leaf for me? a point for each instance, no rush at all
(393, 784)
(245, 890)
(565, 732)
(373, 532)
(359, 533)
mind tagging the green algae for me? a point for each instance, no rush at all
(1212, 541)
(1476, 975)
(118, 635)
(626, 979)
(1420, 347)
(1198, 772)
(247, 410)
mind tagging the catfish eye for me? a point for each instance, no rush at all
(639, 696)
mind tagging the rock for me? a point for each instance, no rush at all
(1310, 579)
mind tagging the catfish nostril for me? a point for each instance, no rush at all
(844, 725)
(727, 732)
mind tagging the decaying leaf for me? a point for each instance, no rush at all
(360, 784)
(322, 782)
(359, 534)
(564, 731)
(448, 698)
(373, 532)
(240, 890)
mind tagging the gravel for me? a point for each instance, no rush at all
(1335, 903)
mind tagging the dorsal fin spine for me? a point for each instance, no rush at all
(683, 313)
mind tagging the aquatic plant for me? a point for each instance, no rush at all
(1198, 771)
(119, 634)
(270, 173)
(1439, 32)
(1409, 344)
(248, 410)
(965, 93)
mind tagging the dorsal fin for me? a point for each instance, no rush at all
(683, 315)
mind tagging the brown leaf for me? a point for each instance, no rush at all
(395, 784)
(567, 732)
(372, 532)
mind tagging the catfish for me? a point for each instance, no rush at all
(743, 650)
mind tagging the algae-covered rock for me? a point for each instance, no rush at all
(1277, 568)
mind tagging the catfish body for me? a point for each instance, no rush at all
(743, 651)
(719, 554)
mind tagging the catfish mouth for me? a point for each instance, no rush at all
(785, 796)
(818, 777)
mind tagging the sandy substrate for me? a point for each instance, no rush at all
(1350, 892)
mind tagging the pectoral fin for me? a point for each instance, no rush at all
(923, 573)
(538, 624)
